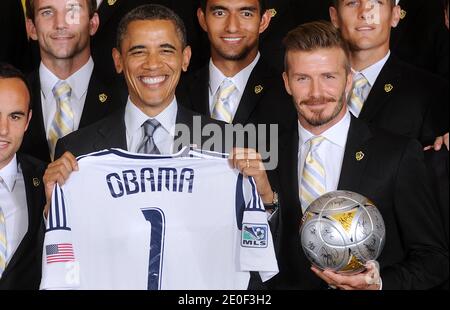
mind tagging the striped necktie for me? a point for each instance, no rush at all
(63, 122)
(2, 242)
(313, 175)
(148, 145)
(222, 109)
(360, 92)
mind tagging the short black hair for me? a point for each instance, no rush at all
(151, 12)
(8, 71)
(262, 5)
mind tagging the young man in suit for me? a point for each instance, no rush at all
(388, 92)
(152, 53)
(420, 37)
(22, 196)
(238, 85)
(330, 150)
(67, 92)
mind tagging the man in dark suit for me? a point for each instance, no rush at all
(386, 168)
(152, 54)
(65, 61)
(256, 93)
(388, 93)
(22, 196)
(14, 47)
(420, 37)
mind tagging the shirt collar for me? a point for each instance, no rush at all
(135, 118)
(336, 134)
(240, 80)
(397, 2)
(79, 81)
(9, 174)
(371, 73)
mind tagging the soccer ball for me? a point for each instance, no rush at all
(341, 231)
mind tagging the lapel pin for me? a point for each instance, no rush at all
(388, 88)
(360, 156)
(112, 2)
(402, 14)
(103, 98)
(273, 12)
(258, 89)
(36, 182)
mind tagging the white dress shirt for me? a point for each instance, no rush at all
(99, 2)
(79, 82)
(163, 136)
(13, 202)
(240, 80)
(397, 2)
(331, 151)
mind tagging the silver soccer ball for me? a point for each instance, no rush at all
(342, 231)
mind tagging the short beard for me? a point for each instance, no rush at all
(318, 120)
(238, 57)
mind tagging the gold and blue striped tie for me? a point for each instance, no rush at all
(2, 242)
(360, 92)
(63, 122)
(222, 109)
(313, 175)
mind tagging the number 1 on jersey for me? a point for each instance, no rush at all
(157, 221)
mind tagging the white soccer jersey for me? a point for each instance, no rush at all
(129, 221)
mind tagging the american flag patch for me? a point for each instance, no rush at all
(59, 253)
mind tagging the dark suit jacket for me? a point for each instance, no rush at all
(35, 140)
(421, 37)
(111, 133)
(14, 48)
(408, 109)
(393, 176)
(24, 270)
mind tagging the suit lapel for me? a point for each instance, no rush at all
(200, 92)
(112, 134)
(254, 91)
(97, 101)
(356, 156)
(37, 128)
(385, 87)
(35, 203)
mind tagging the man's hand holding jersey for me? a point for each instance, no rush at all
(250, 164)
(57, 173)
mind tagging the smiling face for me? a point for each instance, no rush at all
(63, 28)
(318, 82)
(14, 117)
(233, 28)
(366, 24)
(152, 58)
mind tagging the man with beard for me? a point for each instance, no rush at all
(330, 150)
(238, 85)
(67, 93)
